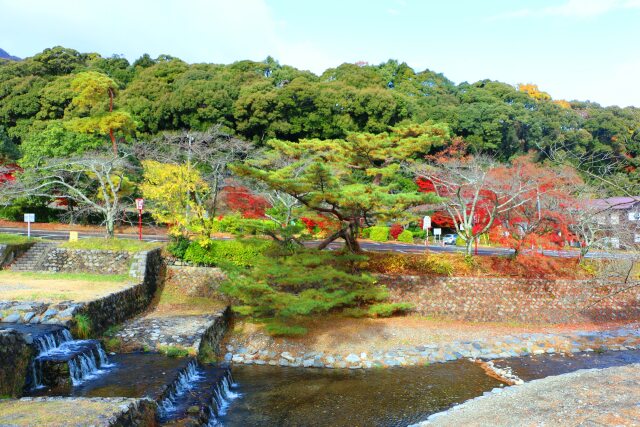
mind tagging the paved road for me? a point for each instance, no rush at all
(367, 246)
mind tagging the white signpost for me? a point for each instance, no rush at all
(29, 218)
(426, 225)
(437, 231)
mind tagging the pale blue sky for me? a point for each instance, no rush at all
(573, 49)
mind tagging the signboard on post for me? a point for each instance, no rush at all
(437, 231)
(140, 207)
(29, 218)
(426, 222)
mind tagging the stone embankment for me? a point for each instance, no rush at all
(72, 412)
(486, 349)
(504, 299)
(592, 397)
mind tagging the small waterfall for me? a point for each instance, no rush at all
(49, 341)
(185, 382)
(222, 397)
(84, 358)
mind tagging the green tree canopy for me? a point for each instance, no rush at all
(350, 180)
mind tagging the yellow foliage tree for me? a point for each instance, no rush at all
(176, 195)
(533, 91)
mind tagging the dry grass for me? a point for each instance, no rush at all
(174, 302)
(336, 334)
(55, 288)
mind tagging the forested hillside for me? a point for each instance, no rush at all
(262, 100)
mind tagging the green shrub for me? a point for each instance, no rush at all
(419, 234)
(172, 351)
(281, 330)
(379, 234)
(82, 326)
(460, 241)
(178, 247)
(286, 286)
(389, 309)
(365, 232)
(239, 253)
(237, 225)
(355, 312)
(406, 236)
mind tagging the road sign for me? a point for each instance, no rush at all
(140, 206)
(437, 231)
(29, 218)
(73, 236)
(426, 222)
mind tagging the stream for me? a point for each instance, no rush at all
(192, 394)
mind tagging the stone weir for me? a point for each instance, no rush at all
(199, 396)
(56, 359)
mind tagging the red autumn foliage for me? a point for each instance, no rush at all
(395, 231)
(241, 199)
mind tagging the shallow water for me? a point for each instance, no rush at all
(274, 396)
(535, 367)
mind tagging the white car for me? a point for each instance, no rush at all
(449, 239)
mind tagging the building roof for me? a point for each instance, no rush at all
(616, 202)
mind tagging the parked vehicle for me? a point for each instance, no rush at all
(449, 239)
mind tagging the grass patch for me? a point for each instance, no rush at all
(16, 239)
(173, 351)
(82, 326)
(389, 309)
(126, 245)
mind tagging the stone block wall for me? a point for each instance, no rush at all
(15, 356)
(147, 271)
(210, 343)
(515, 300)
(195, 281)
(62, 260)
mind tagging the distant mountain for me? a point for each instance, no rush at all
(5, 55)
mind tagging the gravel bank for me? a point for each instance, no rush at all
(592, 397)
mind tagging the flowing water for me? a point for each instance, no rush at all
(274, 396)
(55, 347)
(535, 367)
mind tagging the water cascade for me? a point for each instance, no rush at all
(62, 360)
(204, 386)
(222, 397)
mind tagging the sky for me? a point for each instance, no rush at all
(572, 49)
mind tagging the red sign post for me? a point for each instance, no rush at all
(140, 206)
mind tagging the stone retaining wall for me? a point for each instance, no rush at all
(62, 260)
(195, 281)
(210, 342)
(15, 355)
(146, 271)
(520, 300)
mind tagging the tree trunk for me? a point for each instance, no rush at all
(469, 246)
(329, 239)
(110, 225)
